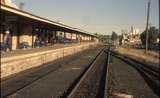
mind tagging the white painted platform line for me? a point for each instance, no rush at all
(76, 68)
(122, 95)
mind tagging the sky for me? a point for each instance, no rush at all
(96, 16)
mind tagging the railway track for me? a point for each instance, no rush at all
(152, 70)
(148, 72)
(92, 83)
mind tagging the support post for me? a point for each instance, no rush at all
(71, 36)
(64, 35)
(56, 35)
(33, 33)
(18, 31)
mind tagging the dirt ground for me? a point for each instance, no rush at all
(152, 58)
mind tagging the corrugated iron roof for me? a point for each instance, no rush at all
(35, 17)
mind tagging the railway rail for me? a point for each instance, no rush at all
(92, 83)
(152, 70)
(150, 73)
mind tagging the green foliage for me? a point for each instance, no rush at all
(96, 34)
(114, 36)
(120, 40)
(153, 34)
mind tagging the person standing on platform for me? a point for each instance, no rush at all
(8, 41)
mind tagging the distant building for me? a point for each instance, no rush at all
(133, 36)
(134, 31)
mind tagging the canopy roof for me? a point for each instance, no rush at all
(41, 19)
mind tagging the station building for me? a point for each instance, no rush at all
(19, 27)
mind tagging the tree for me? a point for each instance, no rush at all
(96, 34)
(152, 38)
(120, 39)
(114, 36)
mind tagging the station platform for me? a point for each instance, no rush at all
(21, 60)
(19, 52)
(50, 81)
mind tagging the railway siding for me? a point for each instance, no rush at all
(130, 78)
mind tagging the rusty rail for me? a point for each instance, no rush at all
(92, 83)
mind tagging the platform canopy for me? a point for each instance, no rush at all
(34, 18)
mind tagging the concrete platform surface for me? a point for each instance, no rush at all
(23, 61)
(33, 50)
(53, 84)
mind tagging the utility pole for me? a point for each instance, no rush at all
(147, 35)
(159, 18)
